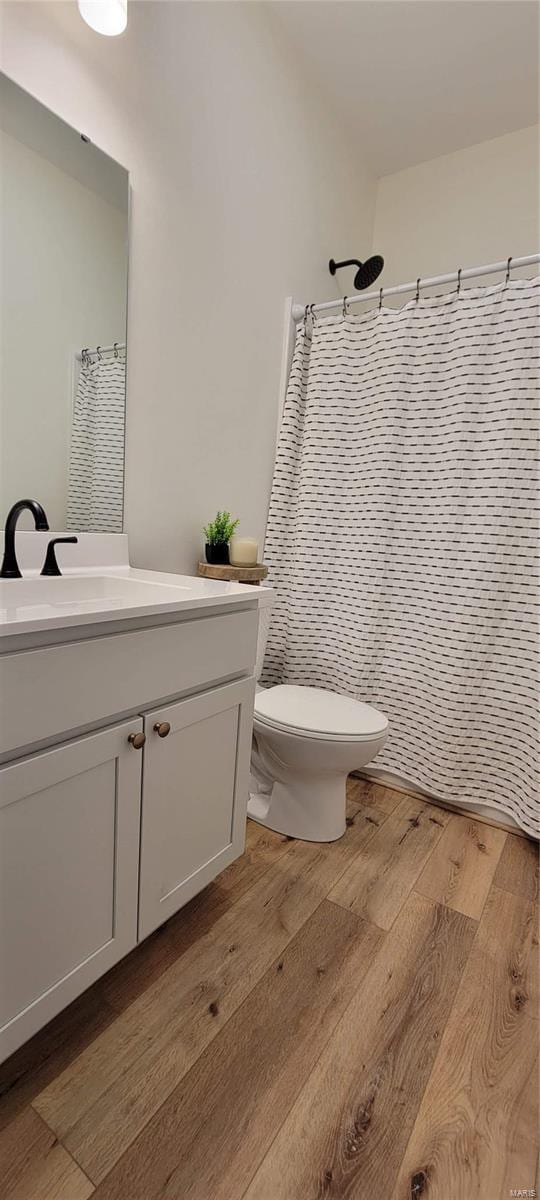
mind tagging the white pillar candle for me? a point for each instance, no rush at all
(243, 552)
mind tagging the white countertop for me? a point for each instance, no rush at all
(103, 593)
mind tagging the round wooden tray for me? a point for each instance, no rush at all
(236, 574)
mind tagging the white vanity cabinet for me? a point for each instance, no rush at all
(194, 796)
(69, 862)
(124, 778)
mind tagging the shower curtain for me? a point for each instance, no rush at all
(402, 535)
(96, 459)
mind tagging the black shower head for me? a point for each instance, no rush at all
(367, 272)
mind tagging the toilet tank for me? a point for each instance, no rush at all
(265, 609)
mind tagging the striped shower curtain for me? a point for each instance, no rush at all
(96, 459)
(402, 535)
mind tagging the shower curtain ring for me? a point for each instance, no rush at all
(417, 297)
(508, 270)
(344, 309)
(312, 314)
(99, 354)
(380, 298)
(115, 348)
(459, 281)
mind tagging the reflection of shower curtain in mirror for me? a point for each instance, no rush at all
(96, 460)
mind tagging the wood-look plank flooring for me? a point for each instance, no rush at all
(460, 870)
(322, 1022)
(379, 880)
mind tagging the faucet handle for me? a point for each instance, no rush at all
(50, 566)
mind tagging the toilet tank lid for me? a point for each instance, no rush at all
(319, 711)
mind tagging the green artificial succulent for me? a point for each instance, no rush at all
(220, 529)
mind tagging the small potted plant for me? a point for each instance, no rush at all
(218, 534)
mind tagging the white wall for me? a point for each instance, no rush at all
(63, 286)
(476, 206)
(243, 187)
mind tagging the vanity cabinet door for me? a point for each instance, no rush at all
(195, 792)
(69, 849)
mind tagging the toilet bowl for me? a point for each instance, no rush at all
(306, 741)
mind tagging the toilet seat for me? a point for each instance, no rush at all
(309, 712)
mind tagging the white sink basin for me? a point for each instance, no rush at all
(67, 590)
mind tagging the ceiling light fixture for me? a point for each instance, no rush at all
(105, 16)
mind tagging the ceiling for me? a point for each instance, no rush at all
(413, 79)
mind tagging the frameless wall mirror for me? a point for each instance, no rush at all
(63, 305)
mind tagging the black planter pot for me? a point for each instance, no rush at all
(217, 554)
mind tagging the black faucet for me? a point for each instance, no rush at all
(10, 566)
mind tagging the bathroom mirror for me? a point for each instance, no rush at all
(63, 303)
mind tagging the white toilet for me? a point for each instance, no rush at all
(306, 741)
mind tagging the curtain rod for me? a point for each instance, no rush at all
(87, 353)
(298, 310)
